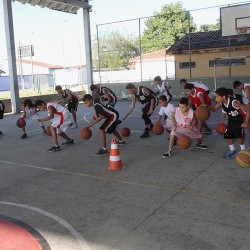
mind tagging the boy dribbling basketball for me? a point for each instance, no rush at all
(238, 117)
(109, 125)
(61, 118)
(183, 122)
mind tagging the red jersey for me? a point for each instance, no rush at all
(195, 100)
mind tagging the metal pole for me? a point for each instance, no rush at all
(229, 54)
(140, 46)
(98, 54)
(189, 47)
(10, 44)
(32, 66)
(21, 64)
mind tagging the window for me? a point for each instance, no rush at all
(186, 65)
(227, 62)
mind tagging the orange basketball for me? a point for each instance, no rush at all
(85, 133)
(221, 128)
(158, 129)
(21, 123)
(184, 141)
(125, 132)
(202, 113)
(243, 158)
(48, 132)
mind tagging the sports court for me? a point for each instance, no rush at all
(68, 200)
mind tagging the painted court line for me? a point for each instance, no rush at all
(169, 189)
(80, 240)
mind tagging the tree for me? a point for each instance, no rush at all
(167, 28)
(115, 50)
(210, 27)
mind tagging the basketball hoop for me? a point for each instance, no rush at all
(241, 31)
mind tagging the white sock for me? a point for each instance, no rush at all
(232, 148)
(104, 148)
(242, 147)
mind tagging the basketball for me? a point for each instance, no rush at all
(202, 113)
(158, 129)
(243, 158)
(221, 128)
(184, 141)
(125, 132)
(48, 132)
(85, 133)
(20, 123)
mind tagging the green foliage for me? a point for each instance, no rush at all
(167, 28)
(210, 27)
(115, 50)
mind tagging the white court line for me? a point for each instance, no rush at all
(81, 241)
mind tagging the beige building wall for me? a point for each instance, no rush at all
(202, 68)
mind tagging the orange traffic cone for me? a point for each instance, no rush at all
(115, 163)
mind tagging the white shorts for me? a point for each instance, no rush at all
(61, 122)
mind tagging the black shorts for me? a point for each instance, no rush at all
(73, 104)
(234, 129)
(146, 108)
(1, 114)
(109, 125)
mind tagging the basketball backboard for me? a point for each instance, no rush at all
(235, 20)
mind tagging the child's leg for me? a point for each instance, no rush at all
(63, 135)
(103, 138)
(171, 142)
(117, 135)
(242, 143)
(73, 112)
(54, 135)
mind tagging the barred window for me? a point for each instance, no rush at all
(227, 62)
(186, 65)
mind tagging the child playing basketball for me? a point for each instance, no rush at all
(162, 88)
(198, 97)
(30, 113)
(109, 125)
(238, 117)
(245, 90)
(183, 122)
(166, 111)
(60, 118)
(147, 97)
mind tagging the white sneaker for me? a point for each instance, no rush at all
(74, 125)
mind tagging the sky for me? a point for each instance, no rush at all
(52, 32)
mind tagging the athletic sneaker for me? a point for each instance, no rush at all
(201, 146)
(74, 125)
(231, 154)
(168, 154)
(24, 136)
(121, 143)
(54, 149)
(69, 142)
(145, 134)
(101, 152)
(206, 132)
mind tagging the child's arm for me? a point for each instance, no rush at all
(246, 108)
(159, 120)
(24, 113)
(133, 101)
(51, 111)
(100, 117)
(106, 93)
(174, 123)
(194, 121)
(69, 93)
(223, 116)
(214, 108)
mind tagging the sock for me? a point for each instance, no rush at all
(232, 148)
(242, 147)
(56, 145)
(104, 148)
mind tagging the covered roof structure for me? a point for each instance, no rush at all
(68, 6)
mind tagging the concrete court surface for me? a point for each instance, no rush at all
(192, 200)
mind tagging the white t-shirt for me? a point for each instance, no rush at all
(244, 94)
(167, 110)
(200, 85)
